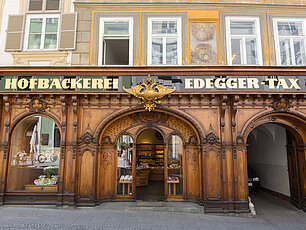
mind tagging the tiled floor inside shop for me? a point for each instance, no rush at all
(152, 192)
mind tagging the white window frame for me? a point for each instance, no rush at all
(42, 41)
(243, 37)
(291, 37)
(44, 4)
(178, 36)
(101, 38)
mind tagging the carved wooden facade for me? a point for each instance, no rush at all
(214, 127)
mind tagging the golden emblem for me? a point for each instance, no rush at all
(149, 93)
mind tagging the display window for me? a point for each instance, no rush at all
(124, 165)
(34, 159)
(175, 167)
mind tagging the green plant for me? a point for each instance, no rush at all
(49, 171)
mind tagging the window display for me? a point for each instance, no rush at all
(175, 169)
(124, 165)
(34, 160)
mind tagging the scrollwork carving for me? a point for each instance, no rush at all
(37, 105)
(87, 138)
(281, 104)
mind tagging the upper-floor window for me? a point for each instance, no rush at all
(243, 41)
(116, 41)
(164, 41)
(41, 32)
(290, 41)
(43, 5)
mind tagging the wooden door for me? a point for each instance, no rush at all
(293, 170)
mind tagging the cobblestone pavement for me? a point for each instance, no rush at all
(272, 213)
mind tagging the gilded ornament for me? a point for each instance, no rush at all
(149, 93)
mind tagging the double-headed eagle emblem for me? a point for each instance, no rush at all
(149, 93)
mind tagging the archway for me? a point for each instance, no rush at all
(276, 157)
(150, 165)
(34, 155)
(165, 127)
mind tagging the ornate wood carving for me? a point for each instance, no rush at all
(37, 105)
(128, 121)
(281, 104)
(107, 158)
(87, 138)
(192, 158)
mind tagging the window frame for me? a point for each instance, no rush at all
(123, 37)
(178, 36)
(42, 39)
(44, 4)
(291, 37)
(243, 37)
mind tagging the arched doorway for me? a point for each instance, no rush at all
(150, 165)
(274, 162)
(164, 149)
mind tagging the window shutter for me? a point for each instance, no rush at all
(67, 37)
(15, 30)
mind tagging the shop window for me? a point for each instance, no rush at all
(116, 41)
(203, 43)
(34, 159)
(124, 165)
(42, 5)
(175, 167)
(290, 41)
(164, 41)
(243, 41)
(42, 32)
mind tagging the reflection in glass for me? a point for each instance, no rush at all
(171, 51)
(164, 27)
(157, 51)
(35, 33)
(251, 51)
(34, 160)
(236, 51)
(124, 165)
(175, 168)
(299, 51)
(285, 52)
(243, 28)
(116, 28)
(290, 28)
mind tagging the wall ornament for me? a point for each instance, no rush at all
(149, 93)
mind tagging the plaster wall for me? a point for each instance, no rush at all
(267, 155)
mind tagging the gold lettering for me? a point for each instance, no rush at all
(231, 83)
(294, 83)
(23, 83)
(271, 83)
(55, 82)
(107, 83)
(11, 83)
(33, 82)
(64, 83)
(253, 83)
(283, 83)
(97, 83)
(188, 83)
(220, 83)
(43, 83)
(76, 84)
(86, 83)
(209, 83)
(115, 83)
(242, 83)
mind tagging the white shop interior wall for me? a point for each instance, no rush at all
(267, 155)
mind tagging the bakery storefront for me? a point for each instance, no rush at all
(84, 136)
